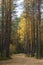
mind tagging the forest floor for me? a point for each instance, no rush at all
(22, 59)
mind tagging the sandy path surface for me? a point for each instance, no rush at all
(21, 59)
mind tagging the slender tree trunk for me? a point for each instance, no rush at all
(38, 20)
(8, 27)
(2, 36)
(33, 30)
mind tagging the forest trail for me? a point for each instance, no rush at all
(22, 59)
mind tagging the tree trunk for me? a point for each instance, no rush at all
(2, 36)
(8, 27)
(38, 23)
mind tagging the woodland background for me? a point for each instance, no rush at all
(21, 28)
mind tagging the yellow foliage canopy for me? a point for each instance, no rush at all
(22, 26)
(25, 29)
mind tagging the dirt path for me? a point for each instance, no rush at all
(21, 59)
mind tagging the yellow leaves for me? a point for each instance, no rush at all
(22, 26)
